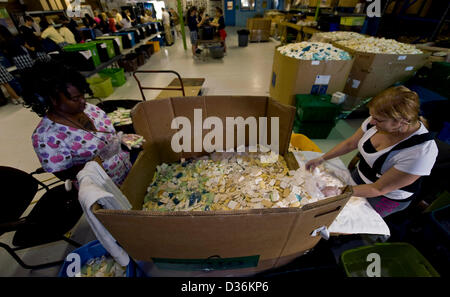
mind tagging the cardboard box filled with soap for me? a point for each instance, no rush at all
(225, 243)
(373, 73)
(292, 76)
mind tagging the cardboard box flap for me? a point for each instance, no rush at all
(314, 216)
(141, 175)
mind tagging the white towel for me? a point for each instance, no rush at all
(97, 187)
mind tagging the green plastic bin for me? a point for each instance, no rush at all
(79, 47)
(101, 87)
(109, 44)
(117, 76)
(117, 39)
(316, 108)
(396, 260)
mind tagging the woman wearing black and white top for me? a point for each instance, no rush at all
(396, 151)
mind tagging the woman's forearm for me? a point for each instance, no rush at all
(367, 191)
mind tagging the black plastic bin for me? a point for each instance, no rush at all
(129, 63)
(243, 37)
(112, 105)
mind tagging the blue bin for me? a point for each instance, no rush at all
(128, 39)
(444, 135)
(87, 33)
(94, 249)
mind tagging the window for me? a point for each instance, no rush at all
(247, 4)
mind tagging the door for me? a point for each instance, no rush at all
(230, 13)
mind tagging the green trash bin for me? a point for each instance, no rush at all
(395, 260)
(117, 76)
(101, 87)
(84, 47)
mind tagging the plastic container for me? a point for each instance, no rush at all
(89, 50)
(155, 44)
(87, 33)
(444, 135)
(117, 76)
(128, 40)
(129, 63)
(396, 260)
(107, 44)
(117, 42)
(101, 87)
(243, 37)
(316, 108)
(216, 52)
(314, 130)
(93, 250)
(112, 105)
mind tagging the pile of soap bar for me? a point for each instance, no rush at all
(103, 267)
(234, 181)
(339, 35)
(380, 46)
(120, 117)
(133, 140)
(314, 51)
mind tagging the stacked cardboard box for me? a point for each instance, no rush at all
(259, 29)
(374, 72)
(240, 242)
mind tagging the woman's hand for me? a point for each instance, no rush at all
(331, 191)
(310, 165)
(112, 148)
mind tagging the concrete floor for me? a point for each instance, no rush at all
(243, 71)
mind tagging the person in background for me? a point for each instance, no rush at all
(90, 23)
(201, 14)
(104, 24)
(15, 50)
(118, 17)
(32, 42)
(128, 16)
(193, 25)
(111, 22)
(5, 79)
(166, 24)
(72, 132)
(65, 32)
(176, 21)
(125, 22)
(36, 27)
(148, 17)
(219, 23)
(73, 27)
(97, 18)
(396, 151)
(49, 31)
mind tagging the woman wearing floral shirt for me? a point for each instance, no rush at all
(71, 132)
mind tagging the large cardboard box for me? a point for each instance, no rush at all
(222, 242)
(292, 76)
(259, 29)
(372, 73)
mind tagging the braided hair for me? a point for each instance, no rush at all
(45, 81)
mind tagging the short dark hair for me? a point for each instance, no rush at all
(46, 80)
(219, 10)
(27, 18)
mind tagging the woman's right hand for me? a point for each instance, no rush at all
(311, 164)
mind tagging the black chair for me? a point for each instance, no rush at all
(55, 214)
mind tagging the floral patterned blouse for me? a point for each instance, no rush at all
(60, 147)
